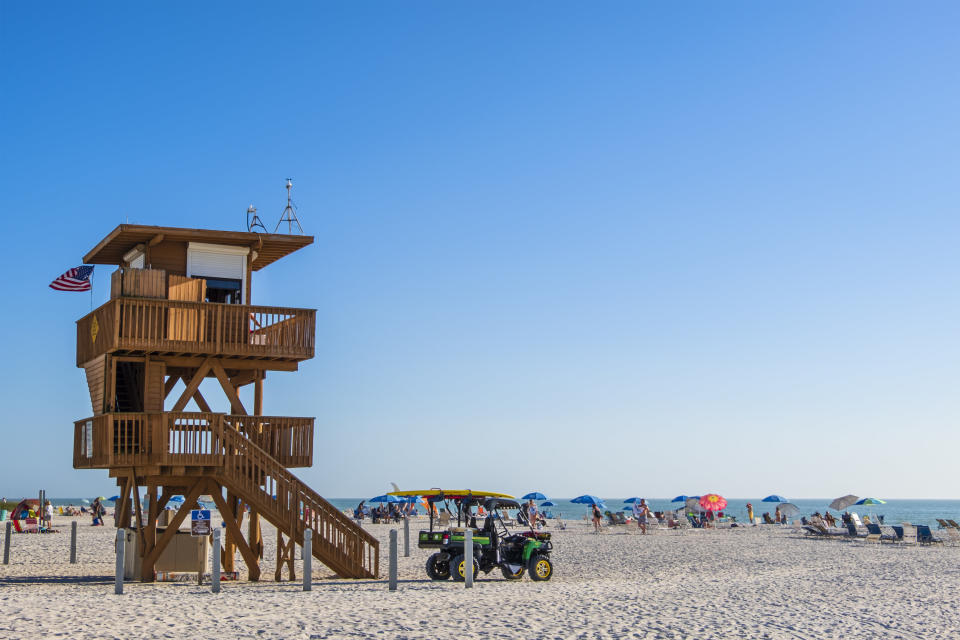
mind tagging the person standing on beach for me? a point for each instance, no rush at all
(750, 514)
(532, 514)
(48, 515)
(641, 512)
(597, 518)
(777, 516)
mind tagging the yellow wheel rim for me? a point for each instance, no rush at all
(542, 568)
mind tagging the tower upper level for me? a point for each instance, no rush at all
(187, 292)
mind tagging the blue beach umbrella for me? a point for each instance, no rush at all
(386, 498)
(547, 503)
(774, 498)
(176, 499)
(534, 495)
(870, 501)
(632, 500)
(680, 499)
(113, 498)
(588, 499)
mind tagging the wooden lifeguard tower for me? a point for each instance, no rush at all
(180, 309)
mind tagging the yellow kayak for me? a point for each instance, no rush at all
(452, 494)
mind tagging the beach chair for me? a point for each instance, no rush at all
(953, 536)
(925, 536)
(27, 525)
(875, 530)
(909, 534)
(953, 523)
(856, 520)
(852, 531)
(943, 524)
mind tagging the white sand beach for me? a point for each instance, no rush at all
(760, 582)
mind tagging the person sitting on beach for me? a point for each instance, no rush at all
(846, 519)
(866, 519)
(829, 519)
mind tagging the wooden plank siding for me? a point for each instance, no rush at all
(148, 326)
(140, 283)
(153, 395)
(96, 383)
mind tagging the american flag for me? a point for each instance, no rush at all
(76, 279)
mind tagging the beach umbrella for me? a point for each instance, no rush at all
(713, 502)
(101, 498)
(633, 500)
(84, 500)
(870, 501)
(534, 495)
(385, 498)
(843, 502)
(547, 503)
(774, 498)
(587, 499)
(177, 498)
(113, 498)
(680, 499)
(789, 509)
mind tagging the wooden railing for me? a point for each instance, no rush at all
(288, 440)
(294, 507)
(143, 325)
(188, 439)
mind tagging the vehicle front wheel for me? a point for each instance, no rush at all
(540, 568)
(437, 569)
(511, 575)
(458, 568)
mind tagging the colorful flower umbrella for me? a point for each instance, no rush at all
(713, 502)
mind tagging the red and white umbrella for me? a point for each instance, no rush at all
(713, 502)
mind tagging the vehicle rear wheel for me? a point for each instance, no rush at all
(437, 569)
(458, 568)
(540, 567)
(509, 574)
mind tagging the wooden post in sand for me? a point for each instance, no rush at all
(215, 581)
(118, 578)
(406, 537)
(307, 560)
(468, 558)
(393, 560)
(73, 542)
(6, 543)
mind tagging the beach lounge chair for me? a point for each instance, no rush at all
(856, 520)
(909, 534)
(953, 523)
(925, 536)
(943, 524)
(953, 535)
(875, 530)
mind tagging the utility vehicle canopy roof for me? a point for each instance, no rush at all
(435, 494)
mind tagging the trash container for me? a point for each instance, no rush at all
(3, 515)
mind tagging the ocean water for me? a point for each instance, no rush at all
(894, 511)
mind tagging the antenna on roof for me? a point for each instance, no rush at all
(289, 215)
(253, 220)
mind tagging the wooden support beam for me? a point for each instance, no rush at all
(235, 405)
(201, 402)
(258, 393)
(150, 537)
(229, 550)
(169, 385)
(254, 534)
(121, 512)
(139, 514)
(190, 502)
(243, 378)
(193, 385)
(231, 364)
(233, 528)
(285, 556)
(155, 240)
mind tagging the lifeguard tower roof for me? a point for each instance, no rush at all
(269, 246)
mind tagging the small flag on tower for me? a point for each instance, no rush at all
(76, 279)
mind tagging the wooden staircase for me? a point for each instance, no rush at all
(290, 505)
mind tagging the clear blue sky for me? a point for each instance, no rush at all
(630, 248)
